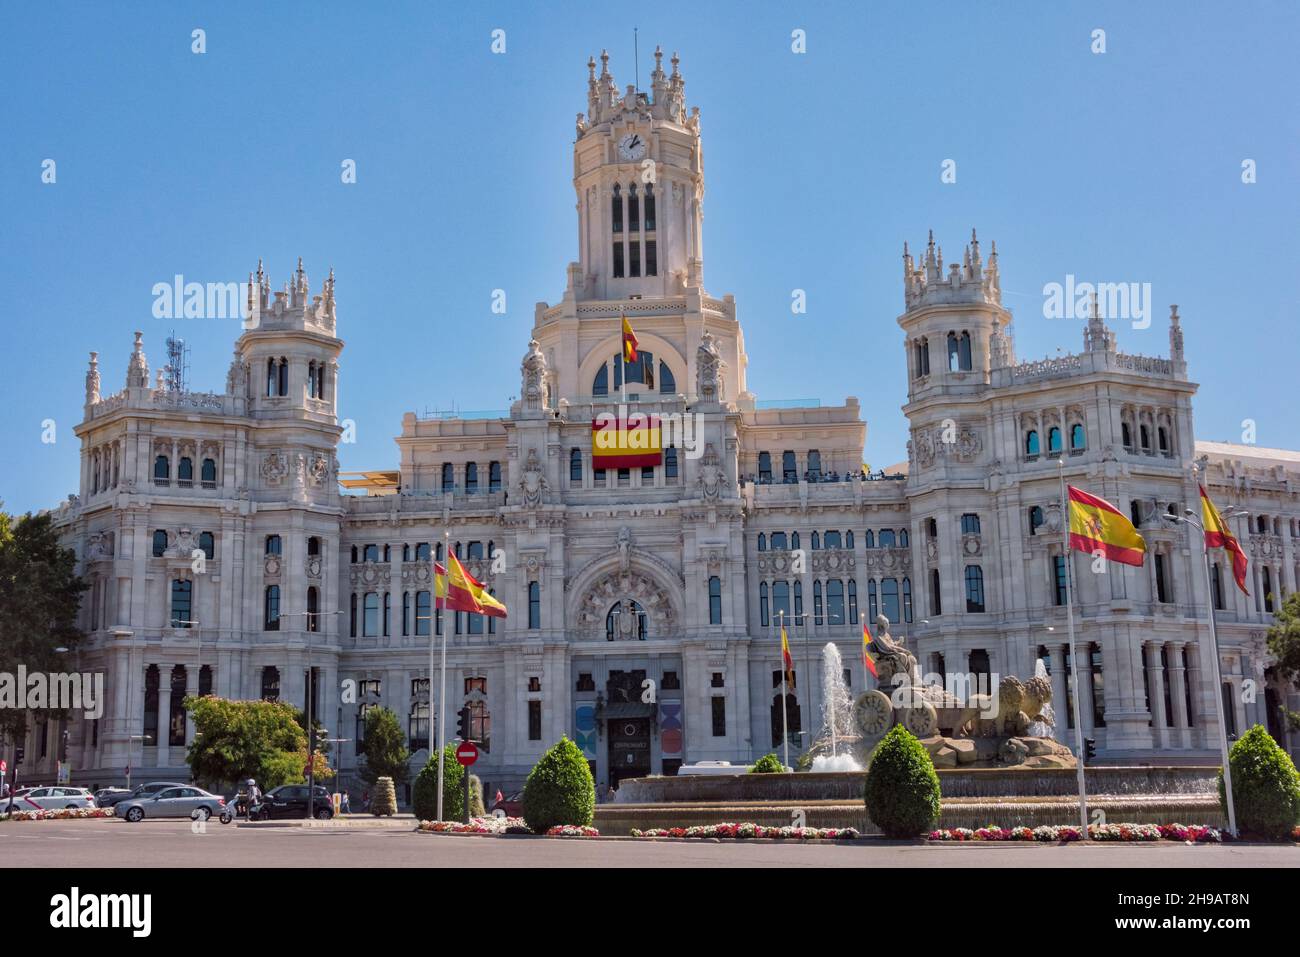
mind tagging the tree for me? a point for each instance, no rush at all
(235, 740)
(40, 595)
(1265, 786)
(424, 795)
(559, 789)
(902, 789)
(384, 748)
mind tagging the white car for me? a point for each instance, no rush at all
(54, 798)
(181, 801)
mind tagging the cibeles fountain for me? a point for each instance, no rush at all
(960, 719)
(993, 745)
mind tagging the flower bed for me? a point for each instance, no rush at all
(476, 825)
(572, 830)
(1190, 833)
(61, 814)
(749, 831)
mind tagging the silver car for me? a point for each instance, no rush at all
(54, 798)
(181, 801)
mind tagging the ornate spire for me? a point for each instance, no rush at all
(92, 380)
(1175, 336)
(137, 368)
(1098, 337)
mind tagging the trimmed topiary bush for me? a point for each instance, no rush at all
(559, 789)
(1265, 786)
(385, 800)
(902, 790)
(424, 795)
(767, 764)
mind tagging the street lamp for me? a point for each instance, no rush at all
(1187, 518)
(312, 619)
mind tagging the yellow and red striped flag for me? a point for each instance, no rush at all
(1098, 526)
(867, 660)
(785, 657)
(634, 442)
(629, 342)
(1218, 536)
(461, 591)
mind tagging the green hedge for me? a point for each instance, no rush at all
(559, 789)
(902, 790)
(424, 795)
(1265, 786)
(767, 764)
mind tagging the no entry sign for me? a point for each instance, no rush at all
(466, 754)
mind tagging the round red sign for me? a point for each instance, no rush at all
(467, 753)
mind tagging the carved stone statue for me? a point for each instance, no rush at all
(624, 550)
(711, 474)
(533, 483)
(536, 389)
(708, 370)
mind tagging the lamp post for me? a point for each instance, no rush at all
(126, 634)
(312, 619)
(1187, 518)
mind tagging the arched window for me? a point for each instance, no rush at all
(789, 468)
(1126, 435)
(922, 355)
(1162, 439)
(208, 545)
(162, 470)
(320, 380)
(764, 468)
(271, 377)
(159, 542)
(600, 384)
(1078, 438)
(762, 541)
(208, 473)
(667, 384)
(1031, 443)
(311, 379)
(494, 476)
(1054, 440)
(633, 211)
(271, 609)
(273, 545)
(185, 472)
(963, 352)
(715, 600)
(575, 466)
(794, 539)
(448, 477)
(182, 603)
(617, 626)
(1145, 436)
(814, 465)
(764, 619)
(284, 376)
(616, 208)
(816, 541)
(868, 539)
(779, 542)
(902, 538)
(471, 478)
(835, 602)
(974, 588)
(313, 608)
(422, 552)
(848, 539)
(953, 352)
(649, 211)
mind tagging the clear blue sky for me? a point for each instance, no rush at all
(1124, 166)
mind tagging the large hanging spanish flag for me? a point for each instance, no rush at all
(785, 657)
(867, 660)
(629, 342)
(634, 442)
(1098, 526)
(1218, 536)
(461, 591)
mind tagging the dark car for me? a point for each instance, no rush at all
(290, 800)
(111, 797)
(512, 806)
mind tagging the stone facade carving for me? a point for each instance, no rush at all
(533, 484)
(536, 392)
(275, 468)
(708, 370)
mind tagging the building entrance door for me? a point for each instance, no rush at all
(629, 749)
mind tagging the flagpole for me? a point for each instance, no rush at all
(807, 654)
(1074, 661)
(442, 674)
(785, 721)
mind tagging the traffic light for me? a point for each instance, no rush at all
(18, 755)
(1089, 749)
(462, 724)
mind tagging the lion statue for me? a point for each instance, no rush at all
(1019, 704)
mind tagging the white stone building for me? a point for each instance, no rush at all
(677, 573)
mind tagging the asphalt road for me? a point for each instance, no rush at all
(114, 843)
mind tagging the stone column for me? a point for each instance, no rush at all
(1178, 689)
(1061, 702)
(1083, 684)
(1197, 686)
(164, 715)
(1156, 686)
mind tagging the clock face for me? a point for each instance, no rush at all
(631, 146)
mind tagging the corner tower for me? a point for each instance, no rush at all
(638, 171)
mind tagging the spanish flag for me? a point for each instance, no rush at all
(634, 442)
(461, 591)
(785, 657)
(867, 660)
(1218, 536)
(629, 342)
(1098, 526)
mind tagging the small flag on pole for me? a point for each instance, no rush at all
(867, 660)
(785, 657)
(629, 342)
(1098, 526)
(461, 591)
(1218, 536)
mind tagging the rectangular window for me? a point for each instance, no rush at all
(534, 721)
(634, 258)
(534, 605)
(1058, 579)
(651, 257)
(719, 717)
(182, 595)
(1162, 589)
(618, 259)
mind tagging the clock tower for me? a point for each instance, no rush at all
(638, 171)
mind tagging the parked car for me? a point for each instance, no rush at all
(181, 801)
(107, 797)
(290, 800)
(53, 798)
(115, 796)
(512, 806)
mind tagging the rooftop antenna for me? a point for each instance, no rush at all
(174, 371)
